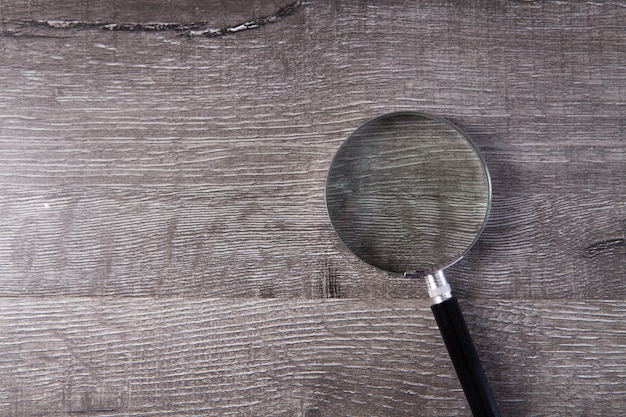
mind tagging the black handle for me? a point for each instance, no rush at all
(463, 354)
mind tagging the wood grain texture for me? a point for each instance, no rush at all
(125, 356)
(153, 187)
(150, 163)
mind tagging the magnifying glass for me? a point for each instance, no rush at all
(409, 193)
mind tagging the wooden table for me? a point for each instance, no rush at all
(164, 244)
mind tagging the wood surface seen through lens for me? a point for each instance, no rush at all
(408, 192)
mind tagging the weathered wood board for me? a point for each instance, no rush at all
(184, 356)
(155, 185)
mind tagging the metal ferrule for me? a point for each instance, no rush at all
(438, 288)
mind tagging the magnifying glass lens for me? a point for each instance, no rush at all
(408, 192)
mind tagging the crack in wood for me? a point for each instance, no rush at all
(329, 282)
(597, 248)
(607, 244)
(191, 29)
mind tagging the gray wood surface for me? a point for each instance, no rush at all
(156, 186)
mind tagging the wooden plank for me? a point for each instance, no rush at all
(133, 243)
(121, 356)
(149, 163)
